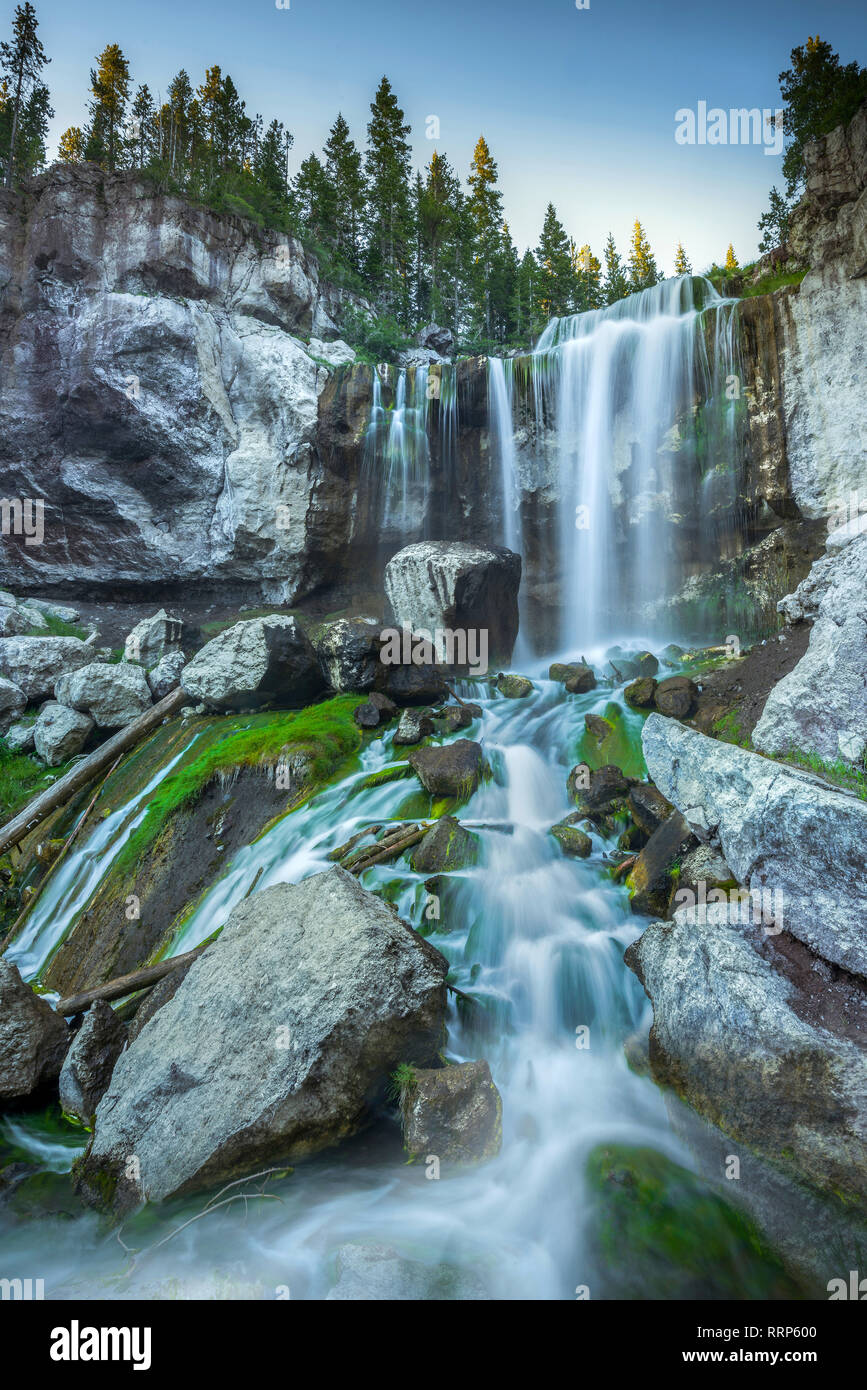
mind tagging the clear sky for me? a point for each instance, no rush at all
(577, 105)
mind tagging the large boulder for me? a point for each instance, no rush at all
(784, 833)
(452, 769)
(438, 340)
(12, 621)
(676, 696)
(113, 695)
(821, 706)
(454, 1113)
(152, 638)
(577, 676)
(90, 1061)
(60, 733)
(414, 725)
(256, 662)
(277, 1043)
(33, 1038)
(446, 846)
(414, 683)
(457, 586)
(166, 675)
(35, 664)
(12, 702)
(732, 1036)
(650, 880)
(348, 653)
(20, 738)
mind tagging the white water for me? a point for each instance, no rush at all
(396, 460)
(500, 415)
(538, 937)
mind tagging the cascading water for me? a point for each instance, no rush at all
(500, 414)
(396, 463)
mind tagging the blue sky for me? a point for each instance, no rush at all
(578, 106)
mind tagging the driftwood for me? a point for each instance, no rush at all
(90, 767)
(623, 867)
(125, 984)
(391, 850)
(343, 850)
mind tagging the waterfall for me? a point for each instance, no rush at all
(500, 413)
(396, 461)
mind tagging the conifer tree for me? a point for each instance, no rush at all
(485, 209)
(389, 209)
(682, 264)
(72, 145)
(615, 285)
(731, 262)
(343, 167)
(141, 127)
(271, 165)
(587, 272)
(314, 195)
(109, 86)
(21, 62)
(642, 264)
(555, 284)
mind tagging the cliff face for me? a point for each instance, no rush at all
(155, 391)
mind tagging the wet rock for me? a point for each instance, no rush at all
(647, 806)
(445, 847)
(574, 843)
(452, 770)
(778, 828)
(13, 702)
(456, 717)
(455, 1113)
(457, 586)
(19, 738)
(514, 687)
(166, 675)
(386, 706)
(366, 715)
(260, 661)
(60, 732)
(113, 695)
(153, 1001)
(646, 662)
(277, 1044)
(577, 676)
(411, 684)
(348, 653)
(650, 879)
(672, 654)
(703, 868)
(377, 1273)
(90, 1061)
(12, 622)
(599, 729)
(152, 638)
(640, 693)
(412, 727)
(33, 1038)
(677, 697)
(35, 664)
(596, 791)
(727, 1035)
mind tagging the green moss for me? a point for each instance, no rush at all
(326, 732)
(387, 774)
(848, 776)
(728, 729)
(22, 777)
(656, 1226)
(57, 628)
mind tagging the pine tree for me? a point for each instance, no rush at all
(314, 195)
(438, 204)
(615, 285)
(525, 315)
(485, 209)
(774, 224)
(21, 62)
(587, 272)
(141, 127)
(642, 264)
(389, 209)
(819, 94)
(109, 86)
(555, 284)
(343, 166)
(731, 262)
(72, 145)
(270, 166)
(178, 128)
(682, 264)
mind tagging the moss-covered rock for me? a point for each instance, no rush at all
(455, 1113)
(640, 693)
(446, 846)
(574, 843)
(652, 878)
(450, 770)
(514, 687)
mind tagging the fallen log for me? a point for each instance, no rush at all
(623, 867)
(90, 767)
(343, 850)
(385, 842)
(125, 984)
(390, 851)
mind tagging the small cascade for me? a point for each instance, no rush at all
(501, 383)
(396, 462)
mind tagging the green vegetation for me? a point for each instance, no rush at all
(327, 733)
(655, 1225)
(56, 627)
(402, 1083)
(22, 777)
(847, 776)
(728, 729)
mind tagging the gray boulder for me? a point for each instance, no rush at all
(256, 662)
(33, 1038)
(439, 340)
(19, 738)
(454, 1113)
(61, 611)
(446, 846)
(348, 653)
(821, 706)
(152, 638)
(90, 1061)
(112, 694)
(60, 732)
(784, 833)
(729, 1036)
(457, 586)
(35, 664)
(13, 702)
(12, 622)
(166, 675)
(277, 1043)
(452, 769)
(412, 727)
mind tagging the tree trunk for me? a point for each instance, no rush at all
(125, 984)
